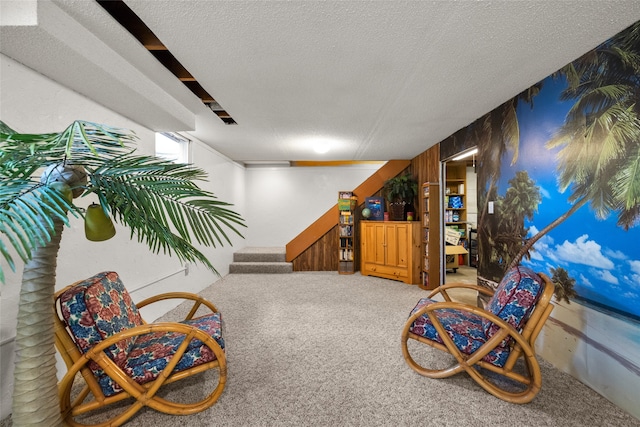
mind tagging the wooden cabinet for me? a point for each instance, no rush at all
(346, 232)
(430, 236)
(391, 250)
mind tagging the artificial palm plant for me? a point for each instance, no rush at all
(400, 192)
(40, 175)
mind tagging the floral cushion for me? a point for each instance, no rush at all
(514, 299)
(464, 328)
(152, 352)
(100, 307)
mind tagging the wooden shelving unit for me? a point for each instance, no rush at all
(430, 236)
(455, 210)
(346, 232)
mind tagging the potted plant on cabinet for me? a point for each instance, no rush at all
(400, 193)
(40, 176)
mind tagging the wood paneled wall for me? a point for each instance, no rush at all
(426, 166)
(323, 254)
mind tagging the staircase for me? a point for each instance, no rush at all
(254, 260)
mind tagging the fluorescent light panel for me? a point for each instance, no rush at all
(465, 155)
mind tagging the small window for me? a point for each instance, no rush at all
(172, 147)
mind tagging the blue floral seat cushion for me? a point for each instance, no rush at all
(100, 307)
(152, 352)
(464, 328)
(514, 299)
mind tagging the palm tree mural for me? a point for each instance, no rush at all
(519, 203)
(563, 284)
(599, 156)
(496, 133)
(157, 199)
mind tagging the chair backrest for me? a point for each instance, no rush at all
(514, 299)
(97, 308)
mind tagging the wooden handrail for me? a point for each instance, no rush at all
(329, 219)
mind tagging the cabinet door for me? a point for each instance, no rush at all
(368, 242)
(379, 243)
(403, 245)
(390, 249)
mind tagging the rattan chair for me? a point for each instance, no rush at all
(496, 345)
(116, 360)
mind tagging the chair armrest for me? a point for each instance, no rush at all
(443, 290)
(197, 301)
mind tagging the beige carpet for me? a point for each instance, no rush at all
(322, 349)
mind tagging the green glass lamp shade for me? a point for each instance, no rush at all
(366, 213)
(97, 225)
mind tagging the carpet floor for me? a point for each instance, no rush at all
(323, 349)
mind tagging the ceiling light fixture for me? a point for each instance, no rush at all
(321, 148)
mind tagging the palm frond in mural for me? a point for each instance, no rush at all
(599, 143)
(496, 134)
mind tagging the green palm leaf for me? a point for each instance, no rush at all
(157, 199)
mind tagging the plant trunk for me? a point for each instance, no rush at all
(35, 387)
(532, 241)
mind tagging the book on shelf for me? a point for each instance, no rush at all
(345, 242)
(346, 230)
(346, 255)
(346, 217)
(376, 206)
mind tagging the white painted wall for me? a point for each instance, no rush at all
(32, 103)
(277, 203)
(282, 201)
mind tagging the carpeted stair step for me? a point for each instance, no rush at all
(260, 260)
(257, 254)
(260, 267)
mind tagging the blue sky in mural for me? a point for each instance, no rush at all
(602, 257)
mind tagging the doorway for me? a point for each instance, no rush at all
(460, 220)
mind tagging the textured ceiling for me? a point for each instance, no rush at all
(374, 80)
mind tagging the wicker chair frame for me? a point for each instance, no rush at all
(91, 398)
(523, 345)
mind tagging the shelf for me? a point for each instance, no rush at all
(430, 269)
(347, 203)
(455, 210)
